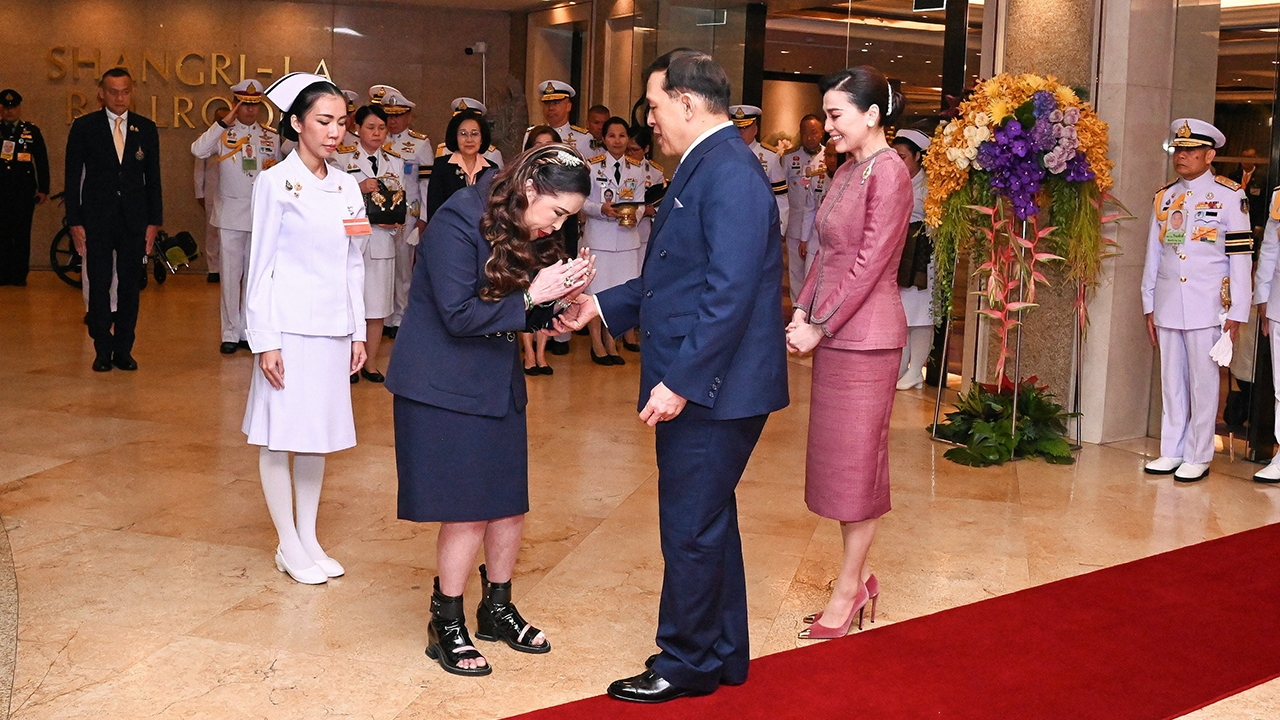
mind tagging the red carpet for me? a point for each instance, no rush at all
(1156, 638)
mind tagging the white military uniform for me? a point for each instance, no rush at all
(1267, 290)
(916, 302)
(579, 138)
(206, 187)
(242, 153)
(617, 248)
(380, 252)
(772, 165)
(806, 181)
(1199, 257)
(653, 176)
(415, 150)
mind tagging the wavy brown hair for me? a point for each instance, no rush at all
(553, 169)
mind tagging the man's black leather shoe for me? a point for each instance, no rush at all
(101, 364)
(649, 661)
(647, 687)
(243, 345)
(124, 362)
(213, 278)
(228, 348)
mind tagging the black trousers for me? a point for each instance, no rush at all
(16, 209)
(113, 335)
(702, 618)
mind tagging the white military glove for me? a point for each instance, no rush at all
(1223, 349)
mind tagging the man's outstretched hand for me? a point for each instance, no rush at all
(581, 311)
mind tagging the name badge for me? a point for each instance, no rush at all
(357, 226)
(6, 151)
(249, 164)
(24, 157)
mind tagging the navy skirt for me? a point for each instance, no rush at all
(455, 467)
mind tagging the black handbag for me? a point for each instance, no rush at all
(386, 205)
(913, 267)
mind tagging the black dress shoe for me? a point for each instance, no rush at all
(228, 348)
(390, 331)
(373, 377)
(647, 687)
(649, 661)
(535, 370)
(615, 360)
(213, 278)
(102, 364)
(546, 370)
(124, 362)
(243, 344)
(633, 347)
(600, 359)
(556, 347)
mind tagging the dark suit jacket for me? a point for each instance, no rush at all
(709, 299)
(445, 181)
(131, 187)
(442, 356)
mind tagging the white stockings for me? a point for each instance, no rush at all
(298, 541)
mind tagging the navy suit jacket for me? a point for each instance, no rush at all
(445, 352)
(131, 186)
(709, 299)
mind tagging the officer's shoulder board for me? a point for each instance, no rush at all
(656, 166)
(581, 130)
(389, 150)
(1159, 197)
(442, 150)
(632, 163)
(345, 149)
(416, 135)
(269, 129)
(771, 148)
(1226, 182)
(597, 159)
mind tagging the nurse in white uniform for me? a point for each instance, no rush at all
(610, 231)
(305, 313)
(370, 162)
(910, 145)
(1267, 294)
(1195, 284)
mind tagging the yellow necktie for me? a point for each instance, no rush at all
(119, 138)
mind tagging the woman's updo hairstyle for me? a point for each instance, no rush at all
(303, 104)
(365, 111)
(552, 169)
(866, 86)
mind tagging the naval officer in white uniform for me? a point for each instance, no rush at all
(415, 149)
(747, 119)
(1195, 284)
(1267, 294)
(806, 180)
(557, 103)
(372, 162)
(242, 148)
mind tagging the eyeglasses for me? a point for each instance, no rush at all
(470, 134)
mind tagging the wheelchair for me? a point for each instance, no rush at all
(169, 254)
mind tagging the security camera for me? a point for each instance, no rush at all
(479, 47)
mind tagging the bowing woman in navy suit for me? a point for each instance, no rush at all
(712, 367)
(490, 268)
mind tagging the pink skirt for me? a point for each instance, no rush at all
(847, 464)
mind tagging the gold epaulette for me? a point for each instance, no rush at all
(597, 159)
(770, 148)
(492, 148)
(1275, 205)
(632, 163)
(345, 149)
(577, 129)
(387, 149)
(416, 135)
(270, 129)
(441, 150)
(1226, 182)
(656, 166)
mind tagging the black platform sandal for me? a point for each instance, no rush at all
(447, 638)
(498, 619)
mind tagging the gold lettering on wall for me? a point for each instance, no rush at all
(181, 66)
(162, 69)
(155, 112)
(181, 106)
(241, 67)
(205, 113)
(218, 64)
(75, 105)
(77, 63)
(58, 65)
(286, 65)
(123, 62)
(323, 69)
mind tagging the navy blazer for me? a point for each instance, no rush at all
(709, 298)
(110, 185)
(454, 350)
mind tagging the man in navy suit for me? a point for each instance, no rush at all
(113, 201)
(713, 366)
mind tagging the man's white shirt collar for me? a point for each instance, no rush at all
(704, 136)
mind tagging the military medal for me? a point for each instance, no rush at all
(139, 155)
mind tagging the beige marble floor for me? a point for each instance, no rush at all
(143, 549)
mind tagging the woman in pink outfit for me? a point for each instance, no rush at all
(850, 316)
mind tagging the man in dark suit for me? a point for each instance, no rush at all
(115, 208)
(713, 366)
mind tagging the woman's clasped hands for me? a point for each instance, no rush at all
(802, 337)
(565, 280)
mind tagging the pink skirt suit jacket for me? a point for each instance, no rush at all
(852, 292)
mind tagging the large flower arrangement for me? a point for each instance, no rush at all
(1019, 179)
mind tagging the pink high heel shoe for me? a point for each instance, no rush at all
(818, 631)
(873, 590)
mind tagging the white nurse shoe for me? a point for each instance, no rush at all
(1191, 472)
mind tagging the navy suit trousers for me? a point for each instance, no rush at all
(702, 620)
